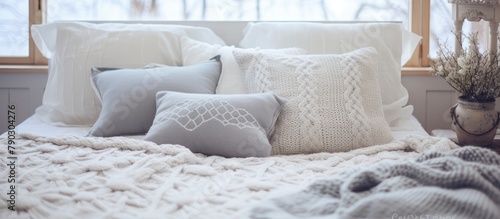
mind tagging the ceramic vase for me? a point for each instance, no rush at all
(475, 122)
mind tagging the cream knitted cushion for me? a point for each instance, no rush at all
(334, 101)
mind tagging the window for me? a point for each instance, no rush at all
(442, 27)
(428, 18)
(14, 29)
(266, 10)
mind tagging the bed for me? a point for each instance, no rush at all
(264, 131)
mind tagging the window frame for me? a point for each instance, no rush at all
(419, 24)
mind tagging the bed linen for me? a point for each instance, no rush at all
(73, 176)
(60, 173)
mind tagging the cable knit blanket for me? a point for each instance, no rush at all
(464, 183)
(80, 177)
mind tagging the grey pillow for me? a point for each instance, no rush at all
(128, 95)
(237, 125)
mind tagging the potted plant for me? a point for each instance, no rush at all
(476, 76)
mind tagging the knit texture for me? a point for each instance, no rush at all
(464, 183)
(81, 177)
(334, 102)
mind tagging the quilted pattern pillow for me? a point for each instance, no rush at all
(334, 102)
(223, 125)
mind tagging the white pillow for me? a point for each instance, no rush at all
(334, 102)
(231, 80)
(394, 45)
(73, 48)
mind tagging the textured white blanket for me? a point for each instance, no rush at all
(79, 177)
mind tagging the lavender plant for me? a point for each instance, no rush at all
(474, 74)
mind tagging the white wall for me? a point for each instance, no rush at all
(24, 90)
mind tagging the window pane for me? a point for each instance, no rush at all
(14, 31)
(353, 10)
(443, 27)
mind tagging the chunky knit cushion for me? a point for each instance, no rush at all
(334, 102)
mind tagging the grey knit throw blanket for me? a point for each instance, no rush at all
(463, 183)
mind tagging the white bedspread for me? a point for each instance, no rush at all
(78, 177)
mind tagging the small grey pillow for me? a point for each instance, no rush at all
(129, 95)
(237, 125)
